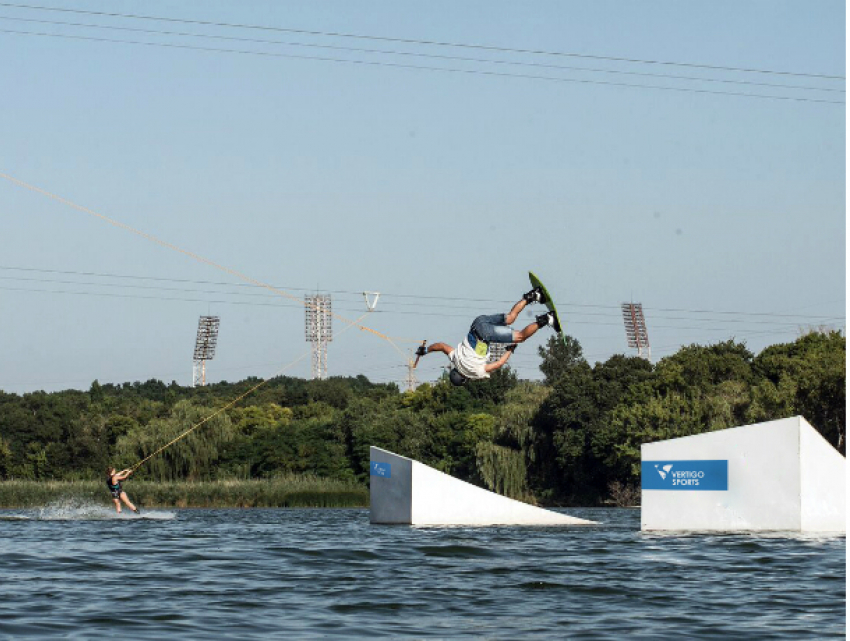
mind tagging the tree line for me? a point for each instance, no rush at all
(572, 439)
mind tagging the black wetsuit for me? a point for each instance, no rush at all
(114, 489)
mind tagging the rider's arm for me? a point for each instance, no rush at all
(439, 347)
(492, 367)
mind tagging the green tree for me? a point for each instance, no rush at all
(192, 457)
(96, 392)
(492, 390)
(503, 464)
(562, 435)
(558, 357)
(5, 459)
(574, 436)
(806, 377)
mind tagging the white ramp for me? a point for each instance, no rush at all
(779, 475)
(409, 492)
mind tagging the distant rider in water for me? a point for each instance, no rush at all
(113, 482)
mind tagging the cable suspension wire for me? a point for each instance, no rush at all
(188, 253)
(413, 41)
(183, 34)
(358, 293)
(397, 65)
(574, 316)
(610, 310)
(779, 328)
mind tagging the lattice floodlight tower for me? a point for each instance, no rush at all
(497, 350)
(318, 330)
(205, 343)
(636, 333)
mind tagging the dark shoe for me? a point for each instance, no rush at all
(550, 320)
(534, 296)
(137, 511)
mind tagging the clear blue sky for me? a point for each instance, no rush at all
(438, 189)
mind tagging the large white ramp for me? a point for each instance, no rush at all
(409, 492)
(778, 475)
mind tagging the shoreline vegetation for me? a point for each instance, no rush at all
(573, 439)
(287, 491)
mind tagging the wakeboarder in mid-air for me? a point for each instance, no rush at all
(469, 359)
(113, 482)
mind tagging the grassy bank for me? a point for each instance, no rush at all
(287, 491)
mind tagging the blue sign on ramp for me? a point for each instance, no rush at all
(380, 469)
(684, 475)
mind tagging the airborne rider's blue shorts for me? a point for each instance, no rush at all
(492, 329)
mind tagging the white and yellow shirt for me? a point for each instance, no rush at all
(470, 361)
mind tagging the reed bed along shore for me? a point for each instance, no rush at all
(287, 491)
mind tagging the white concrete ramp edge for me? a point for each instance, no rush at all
(409, 492)
(778, 475)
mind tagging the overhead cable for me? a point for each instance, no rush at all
(416, 54)
(396, 65)
(609, 310)
(414, 41)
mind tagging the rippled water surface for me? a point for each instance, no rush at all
(289, 574)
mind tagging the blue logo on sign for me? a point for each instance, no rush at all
(684, 475)
(379, 469)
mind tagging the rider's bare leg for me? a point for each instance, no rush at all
(525, 333)
(127, 502)
(514, 313)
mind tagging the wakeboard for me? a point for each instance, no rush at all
(550, 305)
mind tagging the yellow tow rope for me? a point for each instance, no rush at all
(213, 415)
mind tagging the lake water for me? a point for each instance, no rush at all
(81, 573)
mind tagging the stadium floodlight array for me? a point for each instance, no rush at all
(636, 333)
(205, 344)
(497, 350)
(318, 330)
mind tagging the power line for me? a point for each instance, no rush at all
(396, 65)
(572, 321)
(423, 55)
(613, 311)
(358, 293)
(436, 43)
(465, 314)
